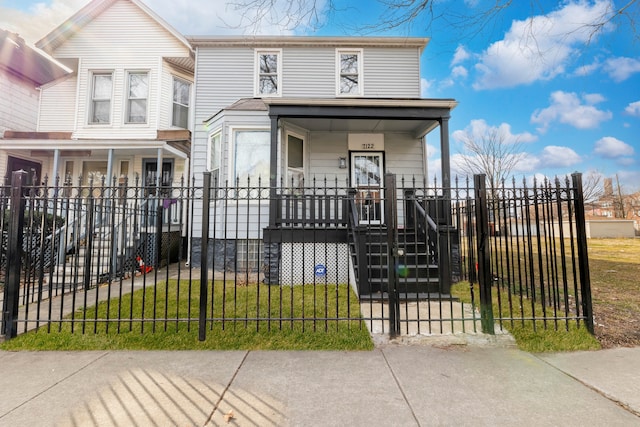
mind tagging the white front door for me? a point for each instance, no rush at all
(366, 176)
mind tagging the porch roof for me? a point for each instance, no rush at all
(25, 60)
(176, 143)
(417, 116)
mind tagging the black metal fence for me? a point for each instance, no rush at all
(116, 258)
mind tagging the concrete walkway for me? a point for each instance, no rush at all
(439, 383)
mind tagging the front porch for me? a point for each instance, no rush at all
(107, 162)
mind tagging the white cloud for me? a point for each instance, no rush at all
(633, 109)
(630, 179)
(611, 148)
(625, 161)
(567, 108)
(556, 156)
(552, 156)
(527, 163)
(461, 55)
(620, 69)
(459, 71)
(425, 85)
(588, 69)
(432, 151)
(593, 98)
(478, 129)
(40, 19)
(540, 47)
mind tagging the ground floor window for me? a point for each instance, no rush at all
(248, 253)
(251, 157)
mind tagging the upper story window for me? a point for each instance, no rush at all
(101, 93)
(181, 100)
(268, 73)
(137, 94)
(349, 72)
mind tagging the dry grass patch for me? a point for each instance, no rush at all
(614, 266)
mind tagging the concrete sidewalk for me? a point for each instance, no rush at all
(394, 385)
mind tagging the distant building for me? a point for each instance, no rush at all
(614, 206)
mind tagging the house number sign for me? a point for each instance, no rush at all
(366, 142)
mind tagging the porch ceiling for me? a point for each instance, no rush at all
(362, 125)
(89, 148)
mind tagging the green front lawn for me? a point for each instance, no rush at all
(291, 318)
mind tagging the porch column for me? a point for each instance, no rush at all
(159, 168)
(109, 167)
(56, 165)
(273, 171)
(272, 249)
(444, 149)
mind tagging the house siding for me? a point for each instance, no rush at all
(58, 106)
(215, 91)
(18, 103)
(324, 149)
(404, 156)
(308, 72)
(381, 63)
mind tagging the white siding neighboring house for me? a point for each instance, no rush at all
(115, 113)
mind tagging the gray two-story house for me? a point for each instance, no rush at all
(311, 119)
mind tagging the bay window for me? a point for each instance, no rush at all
(251, 154)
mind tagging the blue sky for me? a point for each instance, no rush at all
(570, 98)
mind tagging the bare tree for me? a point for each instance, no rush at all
(491, 153)
(293, 14)
(619, 200)
(287, 15)
(592, 187)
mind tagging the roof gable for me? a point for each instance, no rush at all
(91, 11)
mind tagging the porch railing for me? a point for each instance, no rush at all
(322, 204)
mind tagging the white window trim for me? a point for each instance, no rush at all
(125, 117)
(217, 131)
(305, 163)
(256, 73)
(231, 160)
(91, 85)
(360, 54)
(173, 79)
